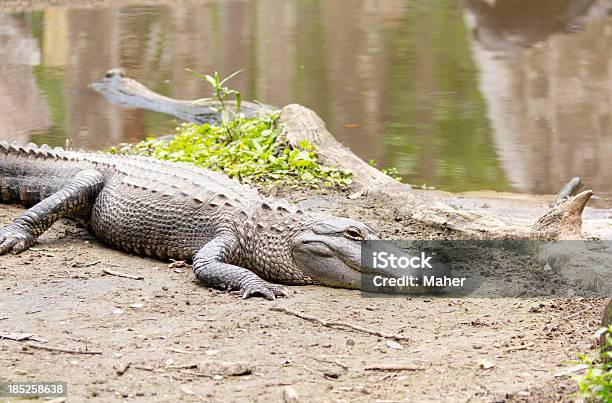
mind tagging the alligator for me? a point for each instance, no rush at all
(236, 239)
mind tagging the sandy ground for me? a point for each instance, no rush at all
(177, 336)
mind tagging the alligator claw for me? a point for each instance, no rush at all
(264, 289)
(14, 239)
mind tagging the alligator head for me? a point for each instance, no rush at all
(329, 251)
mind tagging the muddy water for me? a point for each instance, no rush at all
(504, 95)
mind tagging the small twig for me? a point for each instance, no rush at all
(522, 347)
(341, 365)
(114, 273)
(62, 350)
(83, 265)
(178, 350)
(45, 249)
(393, 367)
(33, 312)
(186, 366)
(199, 374)
(151, 369)
(338, 363)
(578, 313)
(16, 336)
(345, 325)
(3, 317)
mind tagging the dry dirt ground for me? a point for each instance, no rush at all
(165, 338)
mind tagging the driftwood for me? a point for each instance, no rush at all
(571, 188)
(299, 123)
(125, 91)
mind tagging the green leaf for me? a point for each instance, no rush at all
(232, 76)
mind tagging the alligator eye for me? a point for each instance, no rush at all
(354, 233)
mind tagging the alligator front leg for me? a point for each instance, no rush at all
(76, 196)
(210, 268)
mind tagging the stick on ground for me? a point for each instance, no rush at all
(340, 325)
(588, 308)
(114, 273)
(393, 367)
(62, 350)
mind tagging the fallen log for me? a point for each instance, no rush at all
(128, 92)
(298, 123)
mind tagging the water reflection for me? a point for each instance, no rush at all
(506, 94)
(546, 73)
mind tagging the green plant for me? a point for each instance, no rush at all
(222, 95)
(392, 171)
(246, 149)
(596, 383)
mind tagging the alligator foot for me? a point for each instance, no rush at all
(210, 268)
(262, 288)
(16, 239)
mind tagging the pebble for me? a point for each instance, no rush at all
(290, 395)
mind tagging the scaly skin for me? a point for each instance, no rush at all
(237, 239)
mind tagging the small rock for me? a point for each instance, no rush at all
(290, 395)
(136, 306)
(177, 264)
(117, 311)
(226, 368)
(485, 364)
(394, 345)
(187, 390)
(332, 374)
(350, 342)
(165, 287)
(211, 352)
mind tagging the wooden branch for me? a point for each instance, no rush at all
(114, 273)
(340, 325)
(62, 350)
(125, 91)
(393, 367)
